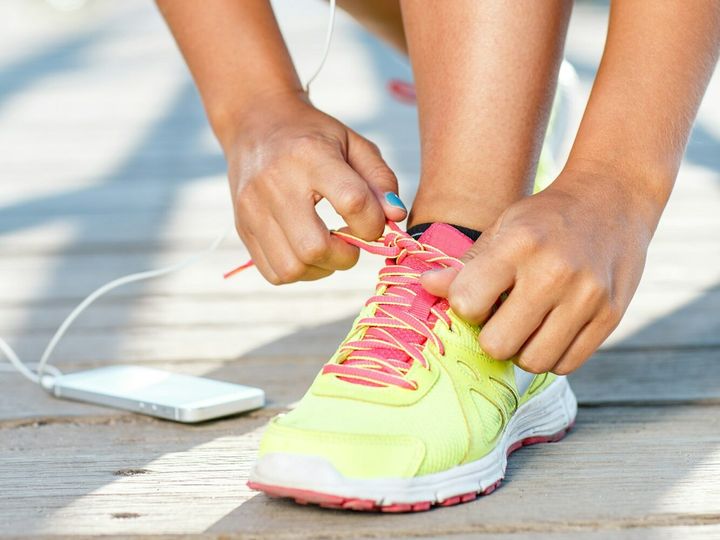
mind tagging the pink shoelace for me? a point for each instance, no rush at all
(404, 314)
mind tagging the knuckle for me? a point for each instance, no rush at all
(382, 175)
(373, 147)
(353, 199)
(562, 369)
(572, 359)
(244, 192)
(290, 271)
(528, 239)
(459, 298)
(313, 248)
(471, 253)
(492, 345)
(560, 269)
(535, 365)
(303, 146)
(239, 227)
(273, 279)
(611, 315)
(595, 290)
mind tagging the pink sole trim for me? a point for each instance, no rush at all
(326, 500)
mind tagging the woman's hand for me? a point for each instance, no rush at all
(571, 258)
(283, 157)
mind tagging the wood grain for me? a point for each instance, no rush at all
(654, 377)
(107, 166)
(620, 468)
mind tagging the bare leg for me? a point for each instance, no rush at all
(381, 17)
(485, 72)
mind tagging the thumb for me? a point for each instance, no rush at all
(438, 282)
(364, 156)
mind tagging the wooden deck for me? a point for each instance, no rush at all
(107, 167)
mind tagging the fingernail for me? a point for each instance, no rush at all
(394, 200)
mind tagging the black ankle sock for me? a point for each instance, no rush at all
(416, 230)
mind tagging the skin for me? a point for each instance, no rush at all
(570, 257)
(283, 154)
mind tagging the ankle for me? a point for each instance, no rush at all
(476, 210)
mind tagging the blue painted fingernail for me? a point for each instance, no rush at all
(394, 200)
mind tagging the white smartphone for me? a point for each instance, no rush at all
(155, 392)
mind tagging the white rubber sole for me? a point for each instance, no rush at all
(545, 418)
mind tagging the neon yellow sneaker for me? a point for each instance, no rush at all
(409, 412)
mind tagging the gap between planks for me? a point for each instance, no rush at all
(609, 379)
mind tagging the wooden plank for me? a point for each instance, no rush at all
(119, 313)
(652, 376)
(155, 477)
(73, 280)
(696, 532)
(189, 218)
(670, 532)
(149, 220)
(680, 317)
(132, 180)
(24, 276)
(284, 381)
(628, 378)
(210, 335)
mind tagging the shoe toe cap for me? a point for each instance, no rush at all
(285, 449)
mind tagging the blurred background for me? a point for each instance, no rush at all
(107, 167)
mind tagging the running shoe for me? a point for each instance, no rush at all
(410, 412)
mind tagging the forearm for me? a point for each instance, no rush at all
(657, 62)
(235, 52)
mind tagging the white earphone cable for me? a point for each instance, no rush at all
(326, 48)
(41, 368)
(37, 372)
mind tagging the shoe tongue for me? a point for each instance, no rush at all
(452, 242)
(446, 238)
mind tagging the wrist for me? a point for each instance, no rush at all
(228, 119)
(643, 194)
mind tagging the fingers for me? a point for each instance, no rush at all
(474, 290)
(312, 242)
(275, 257)
(365, 158)
(584, 345)
(542, 350)
(530, 321)
(479, 285)
(289, 158)
(438, 282)
(351, 197)
(258, 257)
(587, 341)
(517, 318)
